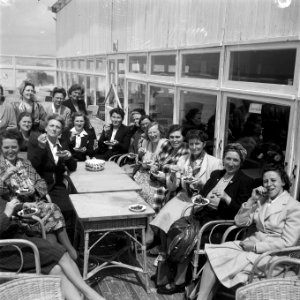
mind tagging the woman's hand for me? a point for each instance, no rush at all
(11, 206)
(42, 140)
(248, 245)
(258, 194)
(29, 205)
(65, 155)
(72, 136)
(10, 171)
(141, 151)
(81, 150)
(174, 168)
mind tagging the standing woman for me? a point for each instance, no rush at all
(7, 113)
(50, 156)
(276, 215)
(147, 153)
(115, 138)
(81, 138)
(165, 164)
(29, 104)
(75, 102)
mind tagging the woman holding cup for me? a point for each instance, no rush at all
(115, 137)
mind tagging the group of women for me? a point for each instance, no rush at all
(171, 168)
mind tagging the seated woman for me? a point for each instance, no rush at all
(138, 135)
(81, 137)
(171, 151)
(226, 189)
(147, 153)
(25, 125)
(115, 138)
(276, 215)
(50, 156)
(53, 257)
(19, 180)
(29, 104)
(7, 113)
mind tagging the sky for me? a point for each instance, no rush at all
(27, 27)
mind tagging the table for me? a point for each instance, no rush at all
(111, 179)
(109, 212)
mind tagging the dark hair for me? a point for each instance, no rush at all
(281, 172)
(75, 87)
(140, 111)
(118, 111)
(173, 128)
(160, 128)
(12, 134)
(196, 134)
(2, 90)
(145, 117)
(22, 115)
(238, 148)
(60, 90)
(192, 113)
(80, 114)
(56, 117)
(23, 86)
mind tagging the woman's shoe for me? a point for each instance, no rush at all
(172, 290)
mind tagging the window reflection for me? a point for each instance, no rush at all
(100, 96)
(90, 92)
(163, 65)
(136, 96)
(262, 128)
(197, 111)
(161, 105)
(201, 65)
(265, 66)
(137, 64)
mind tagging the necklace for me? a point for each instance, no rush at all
(227, 179)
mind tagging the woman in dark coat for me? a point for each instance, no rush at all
(226, 190)
(53, 257)
(50, 156)
(115, 138)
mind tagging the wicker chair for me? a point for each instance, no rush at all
(273, 288)
(28, 286)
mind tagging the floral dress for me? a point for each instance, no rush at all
(36, 189)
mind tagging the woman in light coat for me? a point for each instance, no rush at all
(277, 217)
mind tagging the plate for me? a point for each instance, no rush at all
(131, 155)
(200, 201)
(23, 192)
(27, 212)
(188, 179)
(137, 207)
(109, 143)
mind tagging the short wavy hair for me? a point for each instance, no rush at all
(75, 87)
(160, 129)
(12, 134)
(196, 134)
(56, 117)
(60, 90)
(118, 111)
(173, 128)
(23, 86)
(80, 114)
(278, 168)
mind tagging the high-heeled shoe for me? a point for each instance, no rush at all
(172, 290)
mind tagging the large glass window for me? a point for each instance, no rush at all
(81, 64)
(262, 128)
(138, 64)
(121, 79)
(100, 65)
(198, 111)
(136, 96)
(161, 105)
(100, 96)
(274, 66)
(33, 61)
(90, 90)
(163, 65)
(6, 61)
(201, 65)
(7, 78)
(90, 64)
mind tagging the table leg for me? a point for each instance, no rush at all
(145, 269)
(75, 234)
(86, 254)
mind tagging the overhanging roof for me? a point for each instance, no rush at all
(59, 5)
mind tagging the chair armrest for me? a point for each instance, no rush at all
(284, 251)
(230, 229)
(114, 157)
(14, 242)
(282, 260)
